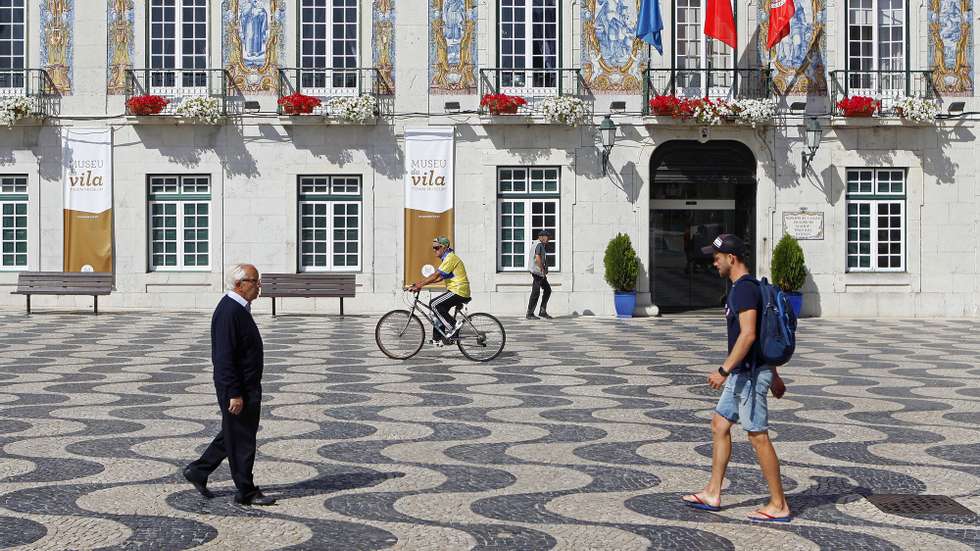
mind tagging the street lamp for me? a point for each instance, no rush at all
(812, 134)
(607, 133)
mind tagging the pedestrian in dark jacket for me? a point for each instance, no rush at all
(537, 260)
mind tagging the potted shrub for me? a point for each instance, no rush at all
(622, 268)
(146, 105)
(502, 104)
(664, 106)
(298, 104)
(789, 270)
(858, 106)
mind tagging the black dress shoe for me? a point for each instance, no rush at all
(256, 499)
(544, 315)
(199, 485)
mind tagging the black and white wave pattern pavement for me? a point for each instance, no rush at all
(583, 435)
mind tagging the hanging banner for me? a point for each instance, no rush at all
(428, 197)
(86, 175)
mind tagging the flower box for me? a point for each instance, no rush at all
(502, 104)
(298, 104)
(17, 108)
(664, 106)
(146, 105)
(858, 106)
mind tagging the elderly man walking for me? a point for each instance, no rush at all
(236, 352)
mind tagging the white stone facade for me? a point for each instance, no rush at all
(254, 161)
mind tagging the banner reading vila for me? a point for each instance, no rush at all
(86, 175)
(428, 197)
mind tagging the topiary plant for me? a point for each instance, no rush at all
(622, 266)
(788, 268)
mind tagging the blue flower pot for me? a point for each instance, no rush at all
(625, 303)
(795, 301)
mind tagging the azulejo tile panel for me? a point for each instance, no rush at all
(57, 22)
(798, 60)
(253, 43)
(452, 48)
(951, 46)
(383, 41)
(612, 58)
(121, 21)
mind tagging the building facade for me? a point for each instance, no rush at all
(887, 208)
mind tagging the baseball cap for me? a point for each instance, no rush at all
(442, 240)
(726, 243)
(544, 232)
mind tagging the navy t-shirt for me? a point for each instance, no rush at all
(743, 296)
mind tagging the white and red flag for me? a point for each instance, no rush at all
(780, 14)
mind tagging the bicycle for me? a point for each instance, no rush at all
(400, 333)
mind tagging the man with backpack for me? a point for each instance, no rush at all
(745, 380)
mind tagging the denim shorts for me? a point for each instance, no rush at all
(743, 400)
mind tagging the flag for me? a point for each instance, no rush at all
(780, 14)
(651, 25)
(719, 22)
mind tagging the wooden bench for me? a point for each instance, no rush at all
(308, 285)
(94, 284)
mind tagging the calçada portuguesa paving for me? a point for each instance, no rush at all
(583, 435)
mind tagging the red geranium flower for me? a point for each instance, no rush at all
(146, 105)
(298, 104)
(502, 104)
(665, 106)
(858, 106)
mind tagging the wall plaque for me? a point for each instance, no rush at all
(803, 225)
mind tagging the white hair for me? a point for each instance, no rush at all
(234, 275)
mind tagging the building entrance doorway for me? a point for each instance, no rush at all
(698, 191)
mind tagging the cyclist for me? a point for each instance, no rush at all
(457, 292)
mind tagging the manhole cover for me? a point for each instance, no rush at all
(912, 505)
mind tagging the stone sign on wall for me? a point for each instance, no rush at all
(803, 225)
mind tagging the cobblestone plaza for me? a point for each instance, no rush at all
(583, 435)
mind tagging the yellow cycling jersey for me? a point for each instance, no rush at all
(453, 272)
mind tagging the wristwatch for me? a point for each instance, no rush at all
(723, 373)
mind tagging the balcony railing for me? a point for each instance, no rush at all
(883, 85)
(31, 83)
(741, 83)
(326, 84)
(535, 85)
(174, 85)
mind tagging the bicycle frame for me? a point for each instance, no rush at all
(418, 305)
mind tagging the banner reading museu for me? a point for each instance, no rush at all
(87, 181)
(429, 186)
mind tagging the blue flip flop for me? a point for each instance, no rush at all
(770, 518)
(701, 505)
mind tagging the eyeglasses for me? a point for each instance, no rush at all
(437, 247)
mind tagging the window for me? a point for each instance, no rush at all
(704, 65)
(876, 220)
(11, 47)
(329, 223)
(180, 222)
(328, 45)
(528, 200)
(179, 41)
(876, 48)
(528, 40)
(13, 222)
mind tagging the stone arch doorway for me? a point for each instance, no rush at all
(698, 191)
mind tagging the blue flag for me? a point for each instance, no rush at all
(651, 25)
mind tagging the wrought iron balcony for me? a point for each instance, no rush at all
(326, 84)
(732, 83)
(175, 85)
(534, 85)
(35, 84)
(885, 86)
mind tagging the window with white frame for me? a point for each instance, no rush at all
(329, 223)
(12, 14)
(328, 47)
(13, 222)
(528, 40)
(178, 38)
(876, 48)
(876, 220)
(180, 222)
(528, 201)
(703, 64)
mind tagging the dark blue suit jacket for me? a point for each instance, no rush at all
(236, 352)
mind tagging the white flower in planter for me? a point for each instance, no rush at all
(564, 110)
(16, 108)
(917, 109)
(357, 109)
(201, 108)
(754, 111)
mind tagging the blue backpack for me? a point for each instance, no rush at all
(777, 335)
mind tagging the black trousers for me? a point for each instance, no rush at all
(442, 305)
(540, 283)
(236, 441)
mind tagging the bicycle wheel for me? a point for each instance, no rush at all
(481, 338)
(399, 334)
